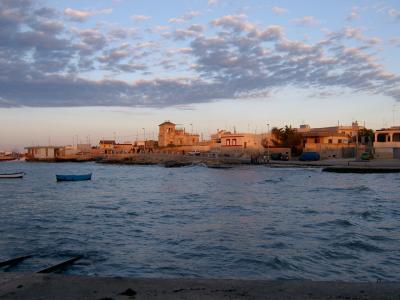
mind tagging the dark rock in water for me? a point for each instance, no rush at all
(175, 164)
(219, 166)
(128, 292)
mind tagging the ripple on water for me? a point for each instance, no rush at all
(358, 245)
(355, 189)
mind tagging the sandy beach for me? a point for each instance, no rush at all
(39, 286)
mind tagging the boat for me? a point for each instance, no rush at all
(74, 177)
(12, 175)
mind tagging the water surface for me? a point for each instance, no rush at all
(249, 222)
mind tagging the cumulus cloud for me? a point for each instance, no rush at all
(43, 63)
(140, 18)
(306, 21)
(279, 10)
(186, 17)
(77, 15)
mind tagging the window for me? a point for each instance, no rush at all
(382, 137)
(228, 142)
(317, 140)
(330, 141)
(233, 142)
(396, 137)
(339, 141)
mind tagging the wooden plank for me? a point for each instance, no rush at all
(14, 261)
(60, 265)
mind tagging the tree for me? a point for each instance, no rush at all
(287, 137)
(366, 136)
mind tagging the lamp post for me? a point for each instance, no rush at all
(191, 128)
(268, 143)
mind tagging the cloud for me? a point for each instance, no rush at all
(212, 2)
(306, 21)
(395, 14)
(82, 15)
(353, 15)
(186, 17)
(395, 41)
(45, 63)
(140, 18)
(279, 10)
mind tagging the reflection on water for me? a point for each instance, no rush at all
(244, 222)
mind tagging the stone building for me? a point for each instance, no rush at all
(331, 142)
(387, 143)
(170, 135)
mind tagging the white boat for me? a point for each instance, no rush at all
(12, 175)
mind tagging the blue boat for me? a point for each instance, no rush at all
(74, 177)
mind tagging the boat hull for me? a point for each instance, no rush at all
(74, 177)
(12, 175)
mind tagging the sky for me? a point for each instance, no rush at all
(78, 71)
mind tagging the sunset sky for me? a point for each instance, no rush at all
(97, 69)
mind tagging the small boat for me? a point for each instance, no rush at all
(74, 177)
(12, 175)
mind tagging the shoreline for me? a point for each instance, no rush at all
(174, 161)
(54, 286)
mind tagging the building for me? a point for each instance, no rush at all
(43, 152)
(331, 142)
(170, 135)
(235, 140)
(387, 143)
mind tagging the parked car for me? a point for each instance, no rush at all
(279, 156)
(366, 156)
(310, 156)
(194, 153)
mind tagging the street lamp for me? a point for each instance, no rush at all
(268, 143)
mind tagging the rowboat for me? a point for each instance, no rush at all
(12, 175)
(74, 177)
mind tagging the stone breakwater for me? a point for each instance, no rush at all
(38, 286)
(171, 160)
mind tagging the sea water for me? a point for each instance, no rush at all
(250, 222)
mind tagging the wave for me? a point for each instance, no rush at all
(359, 245)
(361, 188)
(336, 222)
(272, 180)
(275, 263)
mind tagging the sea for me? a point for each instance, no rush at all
(247, 222)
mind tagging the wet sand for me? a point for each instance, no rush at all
(41, 286)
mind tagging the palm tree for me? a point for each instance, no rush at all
(287, 137)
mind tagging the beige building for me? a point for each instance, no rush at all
(170, 135)
(387, 143)
(248, 141)
(331, 142)
(43, 152)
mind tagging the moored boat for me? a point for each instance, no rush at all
(12, 175)
(74, 177)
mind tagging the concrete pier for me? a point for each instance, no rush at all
(60, 287)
